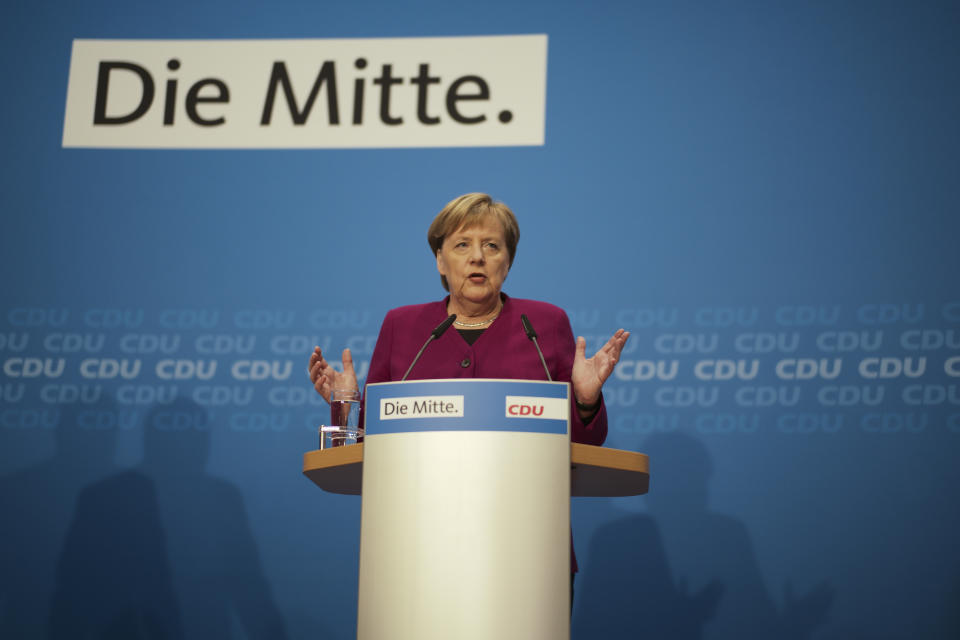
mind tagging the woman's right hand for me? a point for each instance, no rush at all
(325, 378)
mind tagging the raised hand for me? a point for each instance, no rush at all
(589, 374)
(325, 378)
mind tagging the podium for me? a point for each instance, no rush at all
(465, 520)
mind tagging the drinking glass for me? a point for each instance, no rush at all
(344, 427)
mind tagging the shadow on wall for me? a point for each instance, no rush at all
(36, 504)
(683, 571)
(164, 550)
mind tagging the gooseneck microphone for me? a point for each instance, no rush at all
(436, 333)
(528, 329)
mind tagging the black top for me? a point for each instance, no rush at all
(470, 335)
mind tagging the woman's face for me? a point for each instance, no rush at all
(475, 262)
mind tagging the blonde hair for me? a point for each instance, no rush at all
(470, 210)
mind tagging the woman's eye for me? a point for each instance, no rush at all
(493, 245)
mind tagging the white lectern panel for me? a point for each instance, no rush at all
(465, 529)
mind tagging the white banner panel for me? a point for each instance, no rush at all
(421, 407)
(387, 92)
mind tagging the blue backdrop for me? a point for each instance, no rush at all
(765, 194)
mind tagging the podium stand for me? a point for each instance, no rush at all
(465, 516)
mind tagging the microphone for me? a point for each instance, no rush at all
(528, 329)
(436, 333)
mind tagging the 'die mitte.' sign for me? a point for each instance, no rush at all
(421, 407)
(387, 92)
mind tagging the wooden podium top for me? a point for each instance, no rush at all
(594, 471)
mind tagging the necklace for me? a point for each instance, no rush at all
(479, 324)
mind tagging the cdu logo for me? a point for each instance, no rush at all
(537, 408)
(534, 410)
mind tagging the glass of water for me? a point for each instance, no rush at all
(344, 427)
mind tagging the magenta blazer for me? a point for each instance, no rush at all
(502, 351)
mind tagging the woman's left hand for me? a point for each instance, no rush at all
(589, 374)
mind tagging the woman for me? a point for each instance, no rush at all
(475, 240)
